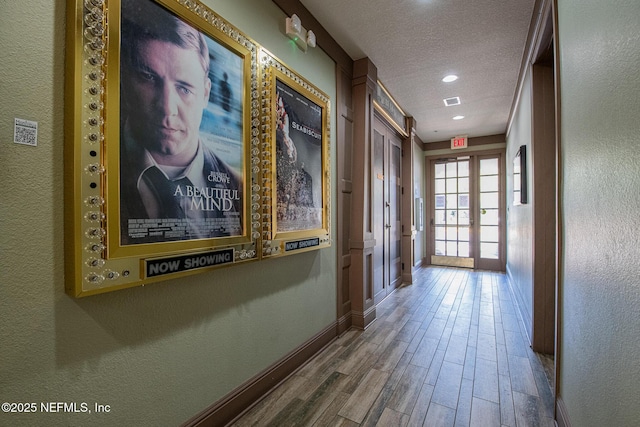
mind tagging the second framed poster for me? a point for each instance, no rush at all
(297, 176)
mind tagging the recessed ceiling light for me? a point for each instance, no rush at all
(458, 118)
(450, 78)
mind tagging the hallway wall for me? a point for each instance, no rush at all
(520, 218)
(157, 354)
(599, 298)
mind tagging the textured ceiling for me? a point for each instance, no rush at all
(414, 43)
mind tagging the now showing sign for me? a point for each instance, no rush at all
(170, 265)
(301, 244)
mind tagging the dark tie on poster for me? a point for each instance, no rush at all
(164, 190)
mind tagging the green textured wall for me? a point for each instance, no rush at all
(600, 293)
(157, 354)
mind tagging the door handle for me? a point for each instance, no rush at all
(387, 226)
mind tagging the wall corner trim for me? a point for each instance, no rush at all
(237, 402)
(562, 415)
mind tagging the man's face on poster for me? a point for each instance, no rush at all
(168, 91)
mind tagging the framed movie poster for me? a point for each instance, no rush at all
(181, 131)
(161, 152)
(297, 176)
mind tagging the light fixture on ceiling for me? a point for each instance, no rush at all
(296, 32)
(458, 118)
(449, 102)
(450, 78)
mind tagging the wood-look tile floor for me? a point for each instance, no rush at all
(448, 350)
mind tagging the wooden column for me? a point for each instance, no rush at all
(408, 203)
(543, 161)
(362, 242)
(344, 162)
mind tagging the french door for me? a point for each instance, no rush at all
(467, 211)
(387, 193)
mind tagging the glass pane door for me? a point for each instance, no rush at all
(464, 189)
(452, 219)
(489, 204)
(490, 213)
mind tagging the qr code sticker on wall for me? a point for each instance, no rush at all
(25, 132)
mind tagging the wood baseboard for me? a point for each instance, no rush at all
(344, 324)
(523, 316)
(562, 415)
(362, 320)
(234, 404)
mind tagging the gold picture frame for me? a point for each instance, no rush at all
(106, 248)
(296, 165)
